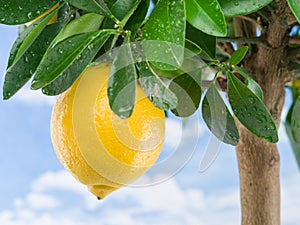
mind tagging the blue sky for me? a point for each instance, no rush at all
(35, 188)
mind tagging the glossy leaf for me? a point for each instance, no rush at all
(192, 47)
(250, 110)
(96, 6)
(60, 57)
(18, 42)
(295, 7)
(22, 70)
(204, 41)
(122, 82)
(18, 12)
(288, 127)
(232, 8)
(218, 118)
(138, 17)
(295, 120)
(238, 55)
(164, 35)
(206, 16)
(122, 10)
(85, 23)
(251, 83)
(35, 31)
(68, 77)
(155, 89)
(187, 88)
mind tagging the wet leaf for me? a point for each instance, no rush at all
(138, 17)
(187, 88)
(251, 83)
(155, 89)
(122, 10)
(60, 57)
(122, 82)
(68, 77)
(31, 35)
(96, 6)
(22, 70)
(238, 55)
(86, 23)
(232, 8)
(218, 118)
(250, 110)
(23, 11)
(206, 16)
(164, 35)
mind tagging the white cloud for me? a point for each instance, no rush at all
(61, 180)
(41, 201)
(163, 204)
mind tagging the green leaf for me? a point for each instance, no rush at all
(122, 10)
(232, 8)
(164, 35)
(35, 30)
(238, 55)
(188, 65)
(218, 118)
(204, 41)
(206, 16)
(14, 12)
(18, 42)
(288, 128)
(138, 17)
(122, 82)
(86, 23)
(22, 70)
(295, 120)
(131, 10)
(193, 48)
(68, 77)
(187, 88)
(251, 83)
(96, 6)
(295, 7)
(250, 110)
(58, 58)
(155, 89)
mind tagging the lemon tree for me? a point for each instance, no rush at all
(173, 53)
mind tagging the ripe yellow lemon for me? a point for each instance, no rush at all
(52, 20)
(100, 149)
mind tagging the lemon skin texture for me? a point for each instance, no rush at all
(100, 149)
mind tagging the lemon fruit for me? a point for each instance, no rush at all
(52, 20)
(100, 149)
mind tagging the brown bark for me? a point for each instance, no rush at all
(258, 160)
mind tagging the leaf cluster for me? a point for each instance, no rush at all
(168, 47)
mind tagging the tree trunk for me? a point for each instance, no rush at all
(258, 160)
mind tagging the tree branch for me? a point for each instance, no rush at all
(294, 41)
(253, 40)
